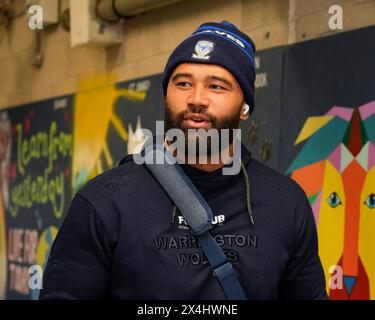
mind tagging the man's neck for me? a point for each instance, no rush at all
(207, 167)
(225, 157)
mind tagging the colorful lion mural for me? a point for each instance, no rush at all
(336, 168)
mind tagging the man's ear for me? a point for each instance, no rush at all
(245, 111)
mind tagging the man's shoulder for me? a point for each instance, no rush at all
(283, 200)
(126, 174)
(272, 180)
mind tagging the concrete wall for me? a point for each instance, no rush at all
(149, 39)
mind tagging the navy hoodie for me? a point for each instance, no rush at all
(123, 238)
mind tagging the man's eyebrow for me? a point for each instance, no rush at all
(181, 75)
(216, 78)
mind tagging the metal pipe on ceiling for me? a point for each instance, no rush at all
(114, 10)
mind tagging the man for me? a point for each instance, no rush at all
(123, 237)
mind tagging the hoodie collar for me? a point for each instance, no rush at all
(217, 175)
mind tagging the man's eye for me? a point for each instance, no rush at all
(216, 87)
(183, 84)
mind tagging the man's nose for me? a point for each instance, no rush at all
(198, 97)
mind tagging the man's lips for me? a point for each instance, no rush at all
(196, 121)
(197, 117)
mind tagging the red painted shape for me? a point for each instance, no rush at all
(355, 143)
(27, 125)
(66, 116)
(353, 178)
(361, 289)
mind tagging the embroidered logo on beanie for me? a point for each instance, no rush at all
(202, 49)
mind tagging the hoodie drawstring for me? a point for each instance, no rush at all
(248, 197)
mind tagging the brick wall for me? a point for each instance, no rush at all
(149, 39)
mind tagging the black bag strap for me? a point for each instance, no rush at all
(197, 214)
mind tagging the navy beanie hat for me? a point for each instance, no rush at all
(222, 44)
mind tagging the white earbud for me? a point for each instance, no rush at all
(245, 109)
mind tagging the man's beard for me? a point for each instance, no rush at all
(230, 122)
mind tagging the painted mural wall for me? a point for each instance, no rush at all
(36, 153)
(327, 136)
(314, 120)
